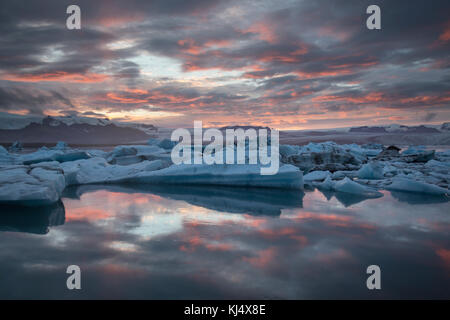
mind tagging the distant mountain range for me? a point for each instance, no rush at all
(445, 127)
(78, 130)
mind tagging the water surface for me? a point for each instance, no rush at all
(147, 242)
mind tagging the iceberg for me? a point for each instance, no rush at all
(16, 147)
(45, 155)
(414, 150)
(347, 185)
(125, 155)
(98, 170)
(288, 176)
(404, 184)
(316, 176)
(5, 157)
(327, 185)
(287, 150)
(371, 170)
(40, 177)
(19, 185)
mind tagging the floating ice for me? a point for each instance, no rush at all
(61, 145)
(37, 187)
(414, 150)
(371, 170)
(347, 185)
(16, 146)
(316, 176)
(325, 156)
(98, 170)
(247, 175)
(45, 155)
(40, 177)
(403, 184)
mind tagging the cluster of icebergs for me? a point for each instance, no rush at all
(39, 178)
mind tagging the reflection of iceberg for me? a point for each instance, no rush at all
(31, 219)
(347, 191)
(347, 199)
(255, 201)
(418, 198)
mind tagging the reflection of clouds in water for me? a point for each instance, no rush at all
(151, 246)
(157, 215)
(385, 211)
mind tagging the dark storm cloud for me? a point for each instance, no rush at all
(429, 117)
(33, 100)
(288, 56)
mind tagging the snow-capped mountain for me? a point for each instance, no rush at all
(71, 120)
(394, 128)
(78, 130)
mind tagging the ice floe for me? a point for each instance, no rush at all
(39, 178)
(316, 176)
(371, 170)
(347, 185)
(403, 184)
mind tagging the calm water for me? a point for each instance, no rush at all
(204, 242)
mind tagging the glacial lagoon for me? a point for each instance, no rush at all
(194, 242)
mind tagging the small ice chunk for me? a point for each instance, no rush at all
(16, 146)
(347, 185)
(288, 150)
(371, 170)
(61, 145)
(167, 144)
(98, 170)
(328, 184)
(41, 187)
(316, 176)
(414, 150)
(408, 185)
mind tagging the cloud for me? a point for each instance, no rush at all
(232, 61)
(33, 101)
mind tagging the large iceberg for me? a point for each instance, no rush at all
(30, 186)
(39, 178)
(248, 175)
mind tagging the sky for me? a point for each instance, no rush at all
(287, 64)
